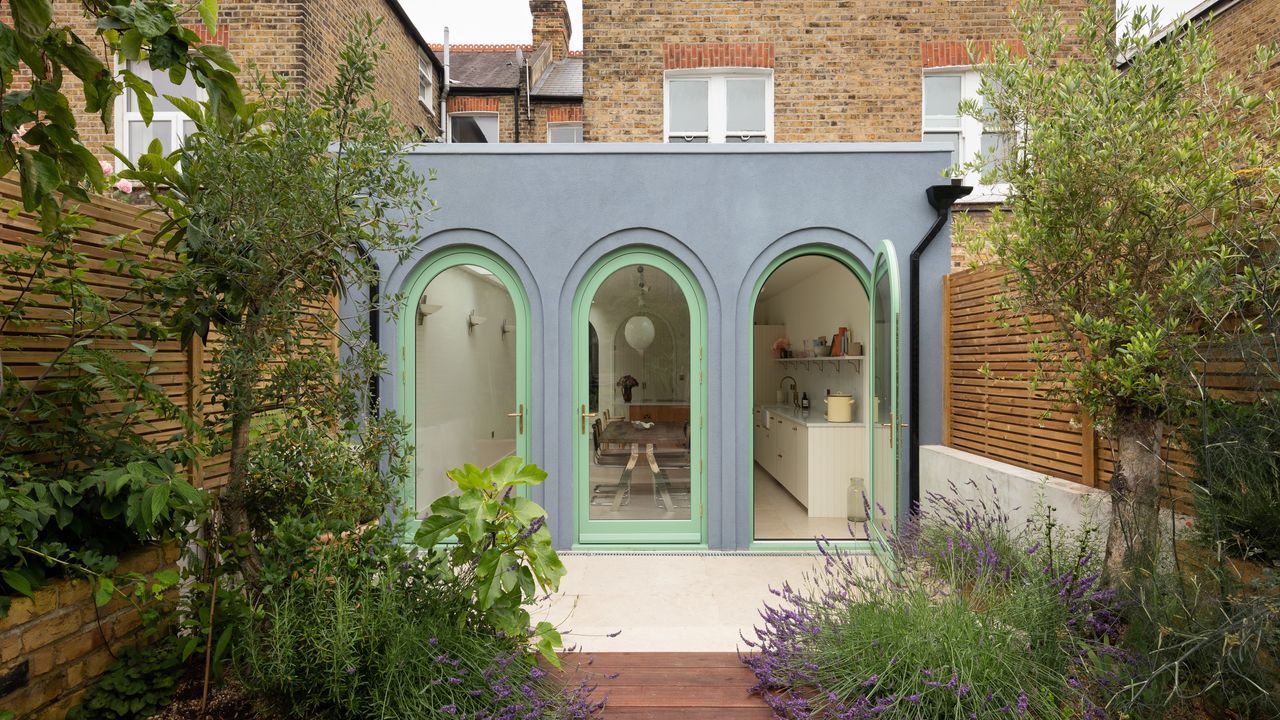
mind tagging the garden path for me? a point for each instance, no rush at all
(668, 602)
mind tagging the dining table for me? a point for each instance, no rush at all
(643, 441)
(661, 435)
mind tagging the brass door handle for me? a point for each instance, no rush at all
(519, 414)
(584, 414)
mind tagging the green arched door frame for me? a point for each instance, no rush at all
(692, 532)
(416, 283)
(860, 272)
(886, 266)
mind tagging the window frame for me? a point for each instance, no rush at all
(561, 124)
(969, 129)
(427, 71)
(123, 115)
(475, 113)
(717, 101)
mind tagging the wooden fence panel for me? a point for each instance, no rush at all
(991, 409)
(26, 346)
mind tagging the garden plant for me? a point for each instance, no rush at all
(81, 479)
(1140, 219)
(974, 619)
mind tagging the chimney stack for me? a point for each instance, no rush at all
(551, 24)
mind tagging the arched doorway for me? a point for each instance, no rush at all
(639, 402)
(824, 329)
(465, 341)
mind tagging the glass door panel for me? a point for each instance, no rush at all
(885, 441)
(468, 377)
(638, 406)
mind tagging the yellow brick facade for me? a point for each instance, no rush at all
(297, 40)
(843, 72)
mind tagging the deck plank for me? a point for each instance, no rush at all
(654, 686)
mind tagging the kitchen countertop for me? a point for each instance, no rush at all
(815, 419)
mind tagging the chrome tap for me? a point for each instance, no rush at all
(794, 395)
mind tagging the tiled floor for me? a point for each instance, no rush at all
(667, 603)
(779, 516)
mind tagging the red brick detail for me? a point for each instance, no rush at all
(575, 53)
(221, 37)
(464, 103)
(564, 114)
(685, 56)
(945, 53)
(454, 47)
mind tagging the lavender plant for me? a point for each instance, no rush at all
(973, 620)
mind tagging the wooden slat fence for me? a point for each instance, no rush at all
(990, 408)
(25, 347)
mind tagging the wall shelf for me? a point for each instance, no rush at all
(824, 362)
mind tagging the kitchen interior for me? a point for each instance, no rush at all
(639, 397)
(809, 345)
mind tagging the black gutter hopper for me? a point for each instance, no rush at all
(941, 197)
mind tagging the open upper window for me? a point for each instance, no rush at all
(943, 92)
(473, 127)
(564, 132)
(168, 124)
(426, 84)
(719, 106)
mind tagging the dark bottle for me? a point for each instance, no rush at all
(804, 401)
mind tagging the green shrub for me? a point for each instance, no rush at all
(140, 683)
(1237, 489)
(498, 544)
(389, 636)
(1207, 637)
(304, 468)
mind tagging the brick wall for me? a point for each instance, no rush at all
(503, 104)
(1238, 32)
(299, 40)
(548, 112)
(60, 641)
(325, 27)
(842, 71)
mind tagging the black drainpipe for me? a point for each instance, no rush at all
(375, 337)
(941, 197)
(515, 103)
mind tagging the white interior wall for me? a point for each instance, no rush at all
(819, 305)
(664, 367)
(466, 381)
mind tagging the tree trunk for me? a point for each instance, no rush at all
(234, 512)
(1133, 538)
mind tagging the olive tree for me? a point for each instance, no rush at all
(275, 212)
(1141, 220)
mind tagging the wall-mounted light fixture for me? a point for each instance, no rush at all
(426, 309)
(507, 327)
(474, 320)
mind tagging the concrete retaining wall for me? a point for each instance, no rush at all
(1017, 489)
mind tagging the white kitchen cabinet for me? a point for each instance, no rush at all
(813, 460)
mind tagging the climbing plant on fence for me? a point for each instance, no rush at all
(85, 470)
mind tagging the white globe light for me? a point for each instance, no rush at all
(639, 332)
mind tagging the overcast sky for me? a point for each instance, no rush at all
(508, 21)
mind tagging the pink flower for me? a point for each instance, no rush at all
(124, 186)
(107, 168)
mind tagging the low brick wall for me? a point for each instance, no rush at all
(53, 646)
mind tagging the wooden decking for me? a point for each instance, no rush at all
(683, 686)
